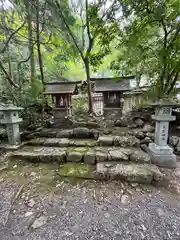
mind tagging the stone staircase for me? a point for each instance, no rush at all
(82, 153)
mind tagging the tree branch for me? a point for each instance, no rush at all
(69, 30)
(7, 76)
(10, 37)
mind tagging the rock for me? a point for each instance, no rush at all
(150, 135)
(94, 133)
(117, 155)
(123, 141)
(74, 157)
(148, 128)
(178, 148)
(48, 133)
(78, 170)
(61, 157)
(124, 199)
(134, 184)
(105, 140)
(173, 141)
(64, 133)
(101, 156)
(3, 133)
(139, 122)
(146, 141)
(107, 131)
(122, 122)
(39, 222)
(140, 156)
(27, 214)
(90, 157)
(92, 125)
(140, 135)
(81, 132)
(31, 203)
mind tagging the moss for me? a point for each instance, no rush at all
(77, 170)
(24, 171)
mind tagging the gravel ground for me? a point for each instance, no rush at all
(88, 210)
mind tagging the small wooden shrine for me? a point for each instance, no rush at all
(61, 93)
(112, 90)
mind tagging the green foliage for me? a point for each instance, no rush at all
(151, 43)
(80, 106)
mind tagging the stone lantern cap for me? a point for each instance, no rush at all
(165, 102)
(9, 107)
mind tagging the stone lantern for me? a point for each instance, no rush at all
(161, 154)
(10, 117)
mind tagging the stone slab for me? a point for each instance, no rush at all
(51, 142)
(62, 142)
(141, 173)
(10, 147)
(42, 154)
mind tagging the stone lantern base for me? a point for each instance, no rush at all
(162, 156)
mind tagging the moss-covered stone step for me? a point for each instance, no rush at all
(123, 141)
(79, 132)
(131, 172)
(88, 155)
(78, 170)
(141, 173)
(62, 142)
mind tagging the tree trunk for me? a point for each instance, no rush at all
(38, 43)
(30, 37)
(86, 63)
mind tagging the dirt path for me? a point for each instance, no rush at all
(36, 206)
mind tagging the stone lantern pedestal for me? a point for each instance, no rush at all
(161, 154)
(10, 117)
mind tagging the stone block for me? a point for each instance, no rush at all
(74, 157)
(64, 133)
(105, 140)
(81, 132)
(90, 157)
(118, 155)
(141, 173)
(140, 156)
(101, 156)
(124, 141)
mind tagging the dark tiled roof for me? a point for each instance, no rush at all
(115, 84)
(61, 87)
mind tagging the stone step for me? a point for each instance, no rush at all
(141, 173)
(132, 172)
(89, 155)
(123, 141)
(79, 132)
(62, 142)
